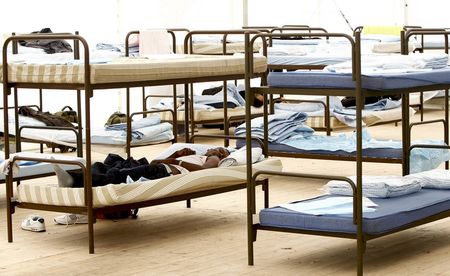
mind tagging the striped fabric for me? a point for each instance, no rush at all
(216, 48)
(141, 191)
(135, 69)
(210, 115)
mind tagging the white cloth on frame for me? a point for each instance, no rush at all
(154, 42)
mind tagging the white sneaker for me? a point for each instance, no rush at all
(33, 223)
(69, 219)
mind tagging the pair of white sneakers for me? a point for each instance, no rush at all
(36, 223)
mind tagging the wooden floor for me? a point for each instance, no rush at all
(210, 237)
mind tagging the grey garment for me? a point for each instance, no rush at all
(49, 46)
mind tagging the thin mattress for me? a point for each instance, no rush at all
(150, 135)
(210, 114)
(309, 79)
(391, 214)
(158, 67)
(115, 194)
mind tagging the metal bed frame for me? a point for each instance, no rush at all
(189, 121)
(88, 88)
(359, 93)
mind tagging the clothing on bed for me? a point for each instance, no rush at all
(389, 64)
(348, 115)
(45, 117)
(115, 170)
(49, 46)
(376, 186)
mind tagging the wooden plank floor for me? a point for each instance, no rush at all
(210, 238)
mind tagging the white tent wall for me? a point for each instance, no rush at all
(95, 20)
(106, 20)
(326, 13)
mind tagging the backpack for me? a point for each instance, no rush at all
(69, 114)
(116, 118)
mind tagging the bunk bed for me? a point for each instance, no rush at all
(314, 53)
(217, 43)
(121, 73)
(394, 214)
(32, 130)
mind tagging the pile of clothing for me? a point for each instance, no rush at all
(281, 126)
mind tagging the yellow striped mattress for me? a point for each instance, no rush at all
(216, 48)
(124, 69)
(210, 114)
(115, 194)
(373, 118)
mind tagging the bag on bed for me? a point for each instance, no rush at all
(116, 118)
(68, 113)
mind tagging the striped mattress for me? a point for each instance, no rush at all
(210, 114)
(135, 69)
(115, 194)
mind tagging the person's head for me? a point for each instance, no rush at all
(219, 152)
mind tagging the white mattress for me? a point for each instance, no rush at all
(155, 134)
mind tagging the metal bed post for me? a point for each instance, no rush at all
(9, 178)
(359, 105)
(248, 97)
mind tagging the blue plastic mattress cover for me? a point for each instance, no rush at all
(386, 153)
(391, 214)
(322, 79)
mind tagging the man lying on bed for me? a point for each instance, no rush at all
(116, 170)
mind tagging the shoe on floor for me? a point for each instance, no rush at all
(69, 219)
(33, 223)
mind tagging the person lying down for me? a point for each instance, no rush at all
(116, 170)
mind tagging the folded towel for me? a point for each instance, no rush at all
(239, 157)
(432, 179)
(376, 186)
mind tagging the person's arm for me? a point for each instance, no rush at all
(211, 162)
(182, 152)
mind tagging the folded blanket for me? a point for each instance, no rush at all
(239, 157)
(394, 64)
(287, 50)
(281, 126)
(432, 179)
(151, 120)
(376, 186)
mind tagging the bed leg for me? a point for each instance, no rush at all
(254, 233)
(265, 188)
(188, 203)
(251, 258)
(9, 221)
(361, 247)
(91, 230)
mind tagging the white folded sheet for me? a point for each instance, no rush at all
(376, 186)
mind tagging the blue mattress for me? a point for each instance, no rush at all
(387, 153)
(391, 214)
(311, 79)
(306, 60)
